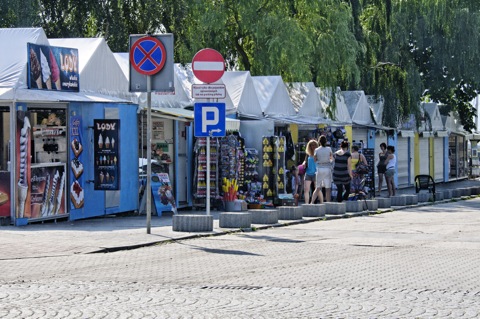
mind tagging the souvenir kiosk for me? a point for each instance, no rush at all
(70, 154)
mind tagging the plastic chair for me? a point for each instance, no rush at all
(425, 182)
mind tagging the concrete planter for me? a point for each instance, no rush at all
(456, 193)
(354, 206)
(334, 208)
(192, 223)
(384, 202)
(290, 213)
(399, 200)
(447, 194)
(438, 196)
(372, 204)
(264, 216)
(411, 199)
(425, 197)
(313, 210)
(235, 220)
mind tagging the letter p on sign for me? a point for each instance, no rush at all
(209, 119)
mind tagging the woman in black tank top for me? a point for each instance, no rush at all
(381, 166)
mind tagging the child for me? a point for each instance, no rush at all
(296, 183)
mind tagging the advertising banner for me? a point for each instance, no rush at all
(23, 164)
(5, 202)
(77, 198)
(48, 191)
(163, 193)
(106, 153)
(52, 68)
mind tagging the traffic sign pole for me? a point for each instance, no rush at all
(208, 176)
(149, 153)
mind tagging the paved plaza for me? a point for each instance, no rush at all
(420, 262)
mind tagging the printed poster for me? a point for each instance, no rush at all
(5, 202)
(106, 154)
(52, 68)
(48, 191)
(23, 164)
(162, 193)
(77, 199)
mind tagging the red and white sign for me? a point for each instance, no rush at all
(208, 91)
(208, 65)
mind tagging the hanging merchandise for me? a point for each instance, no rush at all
(232, 158)
(273, 161)
(200, 175)
(251, 162)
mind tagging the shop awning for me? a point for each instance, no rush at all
(441, 133)
(427, 134)
(406, 133)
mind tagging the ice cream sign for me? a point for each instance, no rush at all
(52, 68)
(106, 152)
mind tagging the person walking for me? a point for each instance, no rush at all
(323, 158)
(342, 171)
(310, 169)
(391, 163)
(381, 167)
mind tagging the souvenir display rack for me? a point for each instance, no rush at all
(273, 161)
(232, 158)
(369, 154)
(200, 181)
(251, 165)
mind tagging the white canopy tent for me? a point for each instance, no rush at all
(241, 90)
(13, 62)
(273, 97)
(376, 107)
(182, 83)
(341, 112)
(306, 101)
(95, 64)
(358, 107)
(433, 122)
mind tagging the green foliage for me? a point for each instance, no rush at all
(401, 50)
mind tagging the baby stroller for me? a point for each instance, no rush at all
(358, 190)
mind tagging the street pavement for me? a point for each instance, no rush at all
(113, 233)
(417, 262)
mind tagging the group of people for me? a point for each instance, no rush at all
(322, 166)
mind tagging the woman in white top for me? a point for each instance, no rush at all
(323, 159)
(391, 163)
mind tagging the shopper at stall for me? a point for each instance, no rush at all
(391, 163)
(342, 171)
(323, 158)
(357, 158)
(381, 167)
(310, 169)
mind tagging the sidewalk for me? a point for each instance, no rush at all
(112, 233)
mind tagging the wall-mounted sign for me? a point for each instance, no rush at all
(106, 153)
(52, 68)
(77, 197)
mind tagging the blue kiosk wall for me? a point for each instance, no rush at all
(102, 202)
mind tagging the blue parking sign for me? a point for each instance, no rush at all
(209, 119)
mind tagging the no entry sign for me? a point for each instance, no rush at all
(148, 55)
(208, 65)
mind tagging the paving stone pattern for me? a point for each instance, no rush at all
(420, 262)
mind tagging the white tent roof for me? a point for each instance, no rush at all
(273, 96)
(341, 111)
(98, 69)
(13, 70)
(182, 83)
(358, 107)
(241, 90)
(13, 55)
(305, 99)
(435, 118)
(376, 106)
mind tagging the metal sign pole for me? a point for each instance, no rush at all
(149, 153)
(207, 177)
